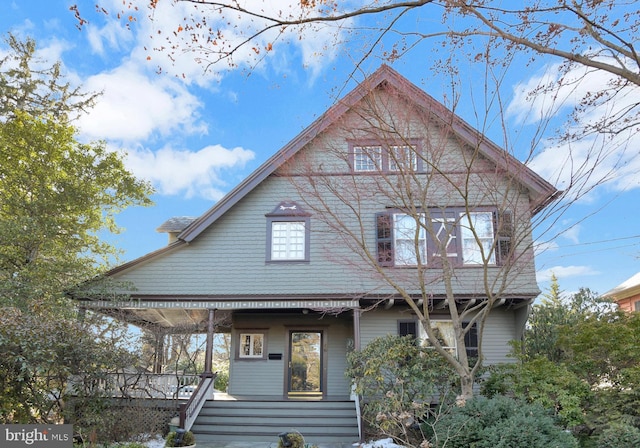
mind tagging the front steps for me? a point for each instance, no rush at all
(320, 422)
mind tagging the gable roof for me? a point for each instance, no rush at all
(542, 192)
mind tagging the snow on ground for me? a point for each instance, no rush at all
(156, 442)
(383, 443)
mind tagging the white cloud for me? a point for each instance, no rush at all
(572, 232)
(173, 171)
(589, 159)
(541, 247)
(133, 106)
(564, 272)
(182, 49)
(112, 35)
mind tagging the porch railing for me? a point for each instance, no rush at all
(144, 385)
(190, 410)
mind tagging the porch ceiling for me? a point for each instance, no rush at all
(171, 320)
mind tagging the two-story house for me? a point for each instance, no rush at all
(387, 198)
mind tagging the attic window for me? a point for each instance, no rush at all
(287, 233)
(372, 156)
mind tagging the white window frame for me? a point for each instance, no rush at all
(248, 340)
(288, 240)
(404, 241)
(367, 158)
(446, 330)
(471, 250)
(407, 157)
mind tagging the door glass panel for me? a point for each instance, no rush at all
(305, 368)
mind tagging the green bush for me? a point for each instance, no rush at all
(401, 383)
(187, 440)
(618, 436)
(499, 422)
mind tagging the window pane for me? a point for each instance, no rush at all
(288, 240)
(480, 223)
(257, 345)
(444, 333)
(405, 241)
(246, 345)
(367, 158)
(402, 157)
(251, 345)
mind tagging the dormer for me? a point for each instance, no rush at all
(174, 226)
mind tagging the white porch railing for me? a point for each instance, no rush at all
(146, 385)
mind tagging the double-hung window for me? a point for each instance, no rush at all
(288, 233)
(410, 240)
(445, 334)
(476, 231)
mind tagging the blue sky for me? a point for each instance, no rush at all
(196, 134)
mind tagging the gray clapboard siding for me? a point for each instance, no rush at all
(244, 376)
(500, 330)
(229, 257)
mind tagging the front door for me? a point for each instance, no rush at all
(305, 377)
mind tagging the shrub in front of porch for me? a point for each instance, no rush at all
(498, 422)
(402, 385)
(173, 439)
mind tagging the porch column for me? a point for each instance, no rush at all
(158, 361)
(356, 329)
(208, 357)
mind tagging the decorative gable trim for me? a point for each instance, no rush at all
(288, 208)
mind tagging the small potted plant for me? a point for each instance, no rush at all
(180, 438)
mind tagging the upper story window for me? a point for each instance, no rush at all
(410, 240)
(403, 157)
(375, 157)
(288, 233)
(465, 239)
(476, 231)
(367, 158)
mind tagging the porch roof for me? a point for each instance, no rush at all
(190, 314)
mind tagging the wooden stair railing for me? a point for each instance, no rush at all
(190, 410)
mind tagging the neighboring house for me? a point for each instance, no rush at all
(627, 294)
(265, 264)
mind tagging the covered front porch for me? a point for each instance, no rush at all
(286, 357)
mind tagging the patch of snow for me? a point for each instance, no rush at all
(155, 442)
(382, 443)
